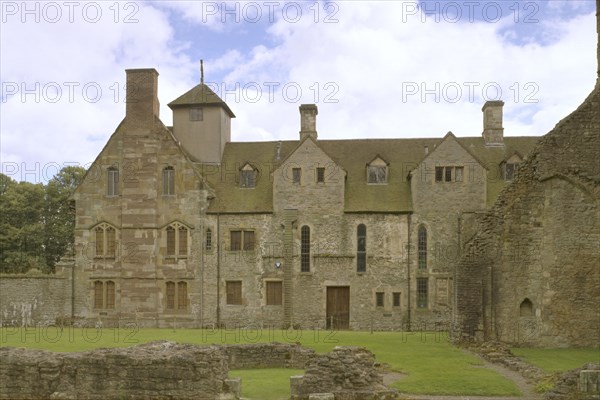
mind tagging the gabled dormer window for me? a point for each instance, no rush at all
(510, 166)
(248, 176)
(377, 171)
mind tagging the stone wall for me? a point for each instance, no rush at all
(151, 371)
(349, 373)
(34, 298)
(268, 355)
(577, 384)
(531, 274)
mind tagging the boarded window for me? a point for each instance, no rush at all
(396, 299)
(171, 241)
(379, 299)
(236, 240)
(305, 249)
(458, 174)
(196, 114)
(422, 259)
(182, 297)
(439, 174)
(113, 182)
(169, 181)
(320, 174)
(274, 293)
(422, 292)
(249, 240)
(296, 175)
(526, 308)
(98, 294)
(170, 295)
(234, 292)
(361, 248)
(110, 294)
(208, 242)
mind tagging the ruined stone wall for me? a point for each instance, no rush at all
(152, 371)
(268, 355)
(531, 274)
(347, 373)
(34, 298)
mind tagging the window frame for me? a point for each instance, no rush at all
(274, 297)
(104, 294)
(177, 237)
(422, 247)
(247, 178)
(320, 172)
(244, 243)
(297, 176)
(105, 241)
(305, 249)
(361, 248)
(233, 293)
(112, 183)
(168, 178)
(196, 114)
(176, 296)
(422, 293)
(396, 299)
(208, 246)
(379, 299)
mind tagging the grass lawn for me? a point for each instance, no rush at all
(432, 364)
(254, 387)
(558, 360)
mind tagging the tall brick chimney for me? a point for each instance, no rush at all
(308, 120)
(142, 95)
(493, 132)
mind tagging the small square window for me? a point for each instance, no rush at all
(379, 297)
(396, 299)
(196, 114)
(320, 174)
(296, 175)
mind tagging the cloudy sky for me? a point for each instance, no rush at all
(374, 68)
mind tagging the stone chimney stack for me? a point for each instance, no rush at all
(308, 121)
(142, 96)
(493, 132)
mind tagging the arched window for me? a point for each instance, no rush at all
(171, 295)
(110, 294)
(112, 188)
(177, 240)
(208, 240)
(361, 248)
(422, 247)
(526, 308)
(98, 294)
(305, 249)
(105, 241)
(168, 181)
(182, 297)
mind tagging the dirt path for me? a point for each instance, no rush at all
(520, 381)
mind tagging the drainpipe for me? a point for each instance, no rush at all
(202, 256)
(218, 270)
(408, 251)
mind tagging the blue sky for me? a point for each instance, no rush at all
(374, 69)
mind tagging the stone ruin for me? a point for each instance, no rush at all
(167, 370)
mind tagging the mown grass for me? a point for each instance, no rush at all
(558, 360)
(431, 363)
(254, 387)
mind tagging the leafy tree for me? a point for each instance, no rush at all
(37, 221)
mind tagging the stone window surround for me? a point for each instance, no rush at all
(178, 307)
(248, 176)
(231, 298)
(208, 240)
(320, 173)
(361, 248)
(112, 181)
(380, 299)
(305, 248)
(266, 292)
(377, 171)
(109, 245)
(168, 181)
(177, 227)
(449, 174)
(243, 244)
(108, 292)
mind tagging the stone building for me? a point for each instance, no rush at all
(180, 225)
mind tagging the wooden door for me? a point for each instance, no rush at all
(338, 307)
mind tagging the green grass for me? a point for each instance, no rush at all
(557, 360)
(254, 387)
(432, 364)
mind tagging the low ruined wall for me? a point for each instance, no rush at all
(577, 384)
(150, 371)
(268, 355)
(34, 298)
(349, 373)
